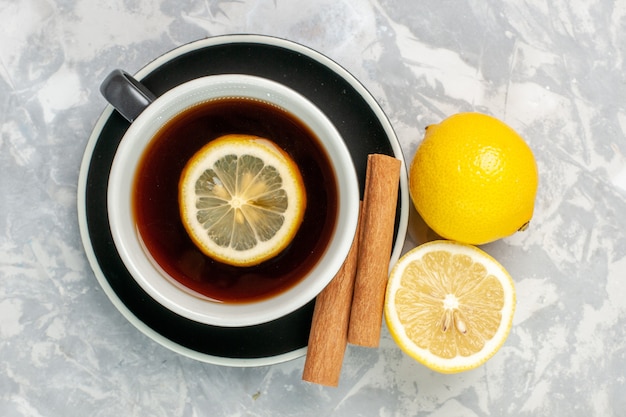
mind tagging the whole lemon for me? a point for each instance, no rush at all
(473, 179)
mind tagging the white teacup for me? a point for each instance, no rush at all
(148, 115)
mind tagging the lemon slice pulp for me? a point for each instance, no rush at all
(449, 305)
(241, 199)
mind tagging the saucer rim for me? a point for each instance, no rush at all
(106, 115)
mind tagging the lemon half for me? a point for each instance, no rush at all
(241, 199)
(449, 305)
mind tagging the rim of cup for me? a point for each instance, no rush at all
(156, 282)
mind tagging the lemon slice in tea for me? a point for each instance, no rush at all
(241, 199)
(449, 305)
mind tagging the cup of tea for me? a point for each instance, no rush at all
(165, 132)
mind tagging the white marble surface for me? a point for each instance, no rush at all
(554, 70)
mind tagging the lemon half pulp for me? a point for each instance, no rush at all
(449, 305)
(241, 199)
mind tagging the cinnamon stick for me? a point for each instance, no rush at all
(329, 329)
(375, 245)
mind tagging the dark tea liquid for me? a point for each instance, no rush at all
(155, 200)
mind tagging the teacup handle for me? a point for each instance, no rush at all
(126, 94)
